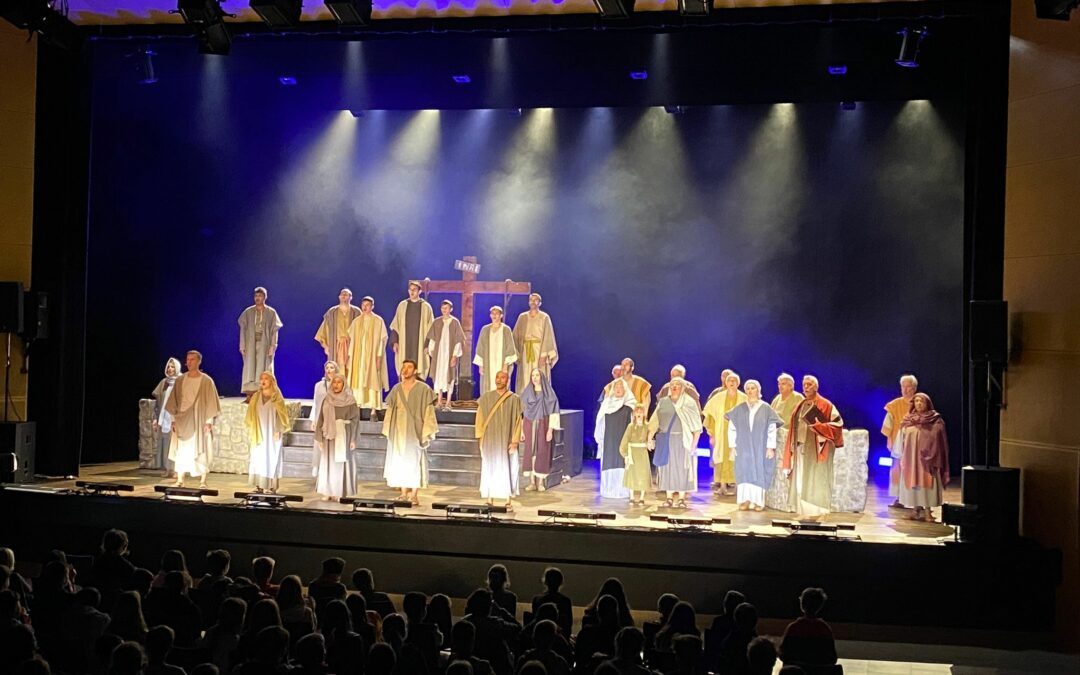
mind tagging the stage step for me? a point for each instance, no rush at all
(302, 435)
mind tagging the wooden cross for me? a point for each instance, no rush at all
(467, 288)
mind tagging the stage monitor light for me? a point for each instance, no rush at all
(838, 69)
(278, 13)
(813, 526)
(614, 9)
(287, 81)
(461, 79)
(592, 516)
(350, 12)
(675, 109)
(639, 74)
(885, 460)
(1055, 9)
(911, 40)
(186, 494)
(848, 105)
(372, 506)
(695, 7)
(104, 488)
(266, 500)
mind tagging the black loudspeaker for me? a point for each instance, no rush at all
(35, 316)
(989, 331)
(11, 307)
(17, 452)
(995, 492)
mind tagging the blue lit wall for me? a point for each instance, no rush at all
(765, 238)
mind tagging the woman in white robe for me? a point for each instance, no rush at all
(614, 415)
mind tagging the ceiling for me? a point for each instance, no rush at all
(128, 12)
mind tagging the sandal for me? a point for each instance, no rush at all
(682, 504)
(668, 503)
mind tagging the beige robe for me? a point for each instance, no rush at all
(398, 327)
(367, 360)
(409, 427)
(534, 336)
(190, 442)
(333, 335)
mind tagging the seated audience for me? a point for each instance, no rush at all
(493, 634)
(364, 583)
(425, 637)
(543, 639)
(681, 621)
(169, 605)
(297, 612)
(111, 571)
(440, 614)
(159, 642)
(629, 643)
(127, 617)
(598, 636)
(127, 659)
(498, 580)
(223, 638)
(808, 640)
(262, 573)
(733, 659)
(614, 588)
(553, 581)
(328, 585)
(172, 561)
(761, 656)
(462, 642)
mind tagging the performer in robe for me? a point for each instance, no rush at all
(162, 424)
(674, 430)
(409, 427)
(333, 332)
(638, 386)
(723, 384)
(924, 458)
(408, 331)
(445, 343)
(498, 427)
(194, 406)
(612, 419)
(495, 350)
(679, 371)
(634, 448)
(534, 338)
(542, 418)
(266, 422)
(752, 429)
(781, 494)
(616, 373)
(716, 424)
(335, 437)
(259, 326)
(895, 412)
(815, 431)
(367, 348)
(330, 368)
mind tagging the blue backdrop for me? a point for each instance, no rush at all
(765, 238)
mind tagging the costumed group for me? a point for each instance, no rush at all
(777, 455)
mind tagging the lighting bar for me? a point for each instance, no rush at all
(93, 488)
(174, 493)
(695, 7)
(593, 516)
(482, 510)
(278, 13)
(813, 526)
(384, 506)
(266, 499)
(350, 12)
(614, 9)
(689, 521)
(909, 46)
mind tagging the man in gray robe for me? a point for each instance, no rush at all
(752, 444)
(444, 343)
(333, 333)
(495, 350)
(335, 438)
(193, 406)
(679, 371)
(259, 326)
(498, 426)
(408, 329)
(409, 427)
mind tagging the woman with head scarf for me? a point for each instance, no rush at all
(540, 422)
(335, 438)
(612, 419)
(162, 419)
(266, 422)
(924, 458)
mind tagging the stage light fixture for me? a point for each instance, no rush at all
(813, 526)
(839, 69)
(848, 105)
(885, 461)
(911, 40)
(639, 74)
(266, 500)
(484, 511)
(387, 507)
(209, 21)
(461, 79)
(103, 488)
(357, 113)
(350, 12)
(592, 516)
(278, 13)
(965, 519)
(614, 9)
(695, 7)
(1055, 9)
(40, 16)
(287, 81)
(186, 494)
(515, 112)
(674, 109)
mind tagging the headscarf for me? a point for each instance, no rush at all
(332, 400)
(610, 404)
(931, 443)
(176, 369)
(539, 404)
(251, 420)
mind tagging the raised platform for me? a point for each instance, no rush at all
(869, 572)
(454, 456)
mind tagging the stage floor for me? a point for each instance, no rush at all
(877, 524)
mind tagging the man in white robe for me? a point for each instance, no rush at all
(444, 345)
(333, 334)
(194, 406)
(408, 330)
(409, 427)
(495, 350)
(367, 351)
(498, 426)
(534, 339)
(259, 326)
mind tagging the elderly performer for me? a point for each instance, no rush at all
(816, 430)
(674, 430)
